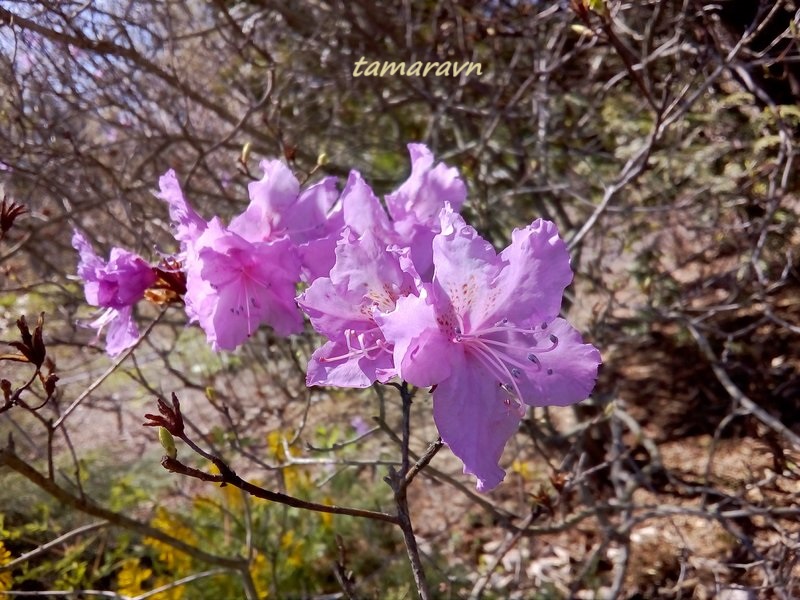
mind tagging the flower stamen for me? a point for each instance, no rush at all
(502, 357)
(357, 348)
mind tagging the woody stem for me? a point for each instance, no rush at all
(400, 488)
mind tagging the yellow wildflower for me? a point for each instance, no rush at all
(259, 571)
(5, 578)
(293, 549)
(131, 577)
(523, 469)
(174, 561)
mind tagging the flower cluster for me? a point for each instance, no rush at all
(401, 288)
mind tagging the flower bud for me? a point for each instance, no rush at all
(167, 442)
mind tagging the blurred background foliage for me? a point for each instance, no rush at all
(659, 135)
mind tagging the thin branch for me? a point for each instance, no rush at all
(228, 477)
(738, 396)
(510, 541)
(397, 481)
(180, 582)
(107, 373)
(423, 461)
(11, 460)
(53, 543)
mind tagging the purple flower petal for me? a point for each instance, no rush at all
(416, 204)
(270, 199)
(474, 419)
(466, 267)
(535, 273)
(122, 332)
(330, 308)
(313, 215)
(315, 224)
(89, 262)
(363, 211)
(423, 354)
(187, 223)
(568, 372)
(125, 279)
(420, 198)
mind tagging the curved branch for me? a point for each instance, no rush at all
(10, 459)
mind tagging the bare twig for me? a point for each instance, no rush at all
(737, 394)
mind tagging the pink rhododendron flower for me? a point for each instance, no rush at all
(366, 278)
(486, 333)
(413, 209)
(233, 286)
(115, 285)
(277, 208)
(244, 275)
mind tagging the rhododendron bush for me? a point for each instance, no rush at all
(413, 293)
(402, 290)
